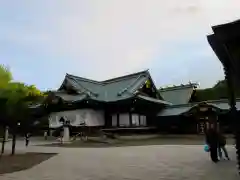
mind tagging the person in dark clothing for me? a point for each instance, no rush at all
(27, 136)
(221, 146)
(212, 141)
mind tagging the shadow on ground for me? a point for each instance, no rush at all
(19, 162)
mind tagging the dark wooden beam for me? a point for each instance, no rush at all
(118, 120)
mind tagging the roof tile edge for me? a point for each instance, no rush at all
(208, 101)
(182, 86)
(111, 80)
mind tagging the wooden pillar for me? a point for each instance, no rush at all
(139, 119)
(108, 119)
(105, 118)
(6, 134)
(207, 125)
(130, 119)
(118, 120)
(233, 113)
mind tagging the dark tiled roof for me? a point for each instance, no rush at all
(115, 89)
(227, 31)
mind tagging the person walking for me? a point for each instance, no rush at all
(27, 136)
(222, 146)
(45, 135)
(212, 141)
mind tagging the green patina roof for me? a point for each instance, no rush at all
(174, 110)
(108, 91)
(178, 94)
(184, 108)
(71, 98)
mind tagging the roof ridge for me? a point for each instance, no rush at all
(84, 79)
(182, 86)
(120, 78)
(129, 86)
(86, 89)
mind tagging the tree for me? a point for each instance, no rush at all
(218, 91)
(5, 78)
(17, 97)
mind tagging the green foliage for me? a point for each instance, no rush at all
(16, 92)
(5, 76)
(218, 91)
(16, 96)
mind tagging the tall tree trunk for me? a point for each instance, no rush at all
(14, 142)
(3, 140)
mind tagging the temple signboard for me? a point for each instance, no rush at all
(203, 109)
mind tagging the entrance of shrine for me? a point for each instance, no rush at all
(204, 115)
(201, 127)
(204, 123)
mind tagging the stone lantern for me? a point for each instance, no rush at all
(65, 124)
(225, 42)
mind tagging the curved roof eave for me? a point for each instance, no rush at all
(173, 110)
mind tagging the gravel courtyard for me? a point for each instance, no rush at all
(162, 162)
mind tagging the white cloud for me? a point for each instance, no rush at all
(112, 37)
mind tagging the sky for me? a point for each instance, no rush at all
(43, 40)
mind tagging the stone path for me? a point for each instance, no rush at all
(167, 162)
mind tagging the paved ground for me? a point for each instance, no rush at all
(166, 162)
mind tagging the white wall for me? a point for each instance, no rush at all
(135, 120)
(114, 120)
(143, 120)
(124, 120)
(76, 117)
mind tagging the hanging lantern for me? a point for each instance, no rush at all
(148, 84)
